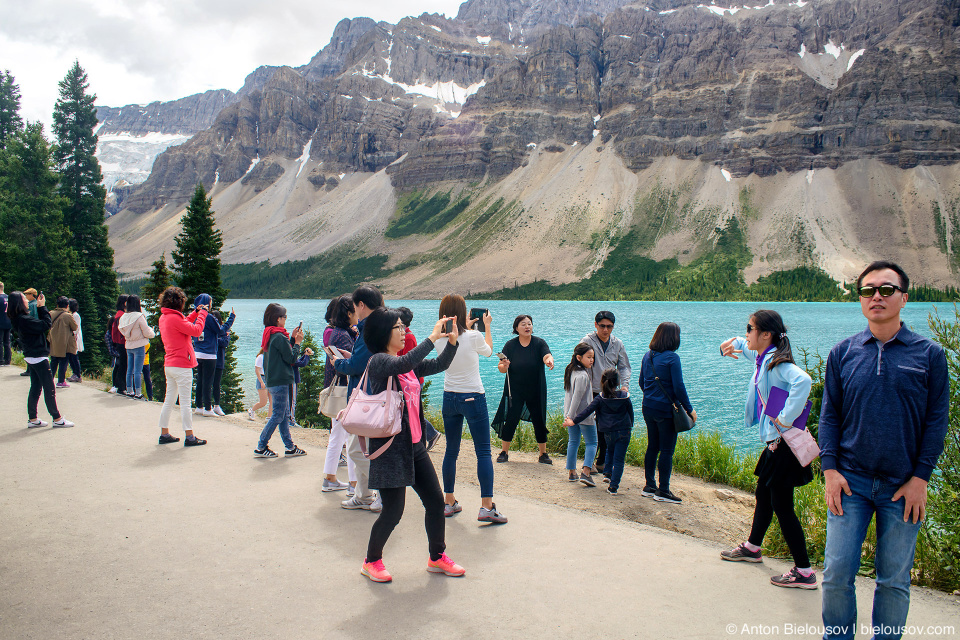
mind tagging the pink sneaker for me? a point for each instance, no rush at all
(63, 385)
(376, 571)
(445, 565)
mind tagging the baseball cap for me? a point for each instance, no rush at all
(31, 291)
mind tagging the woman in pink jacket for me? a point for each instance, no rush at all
(179, 361)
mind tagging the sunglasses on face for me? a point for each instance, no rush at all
(886, 290)
(605, 326)
(750, 328)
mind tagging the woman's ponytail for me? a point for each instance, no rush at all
(770, 321)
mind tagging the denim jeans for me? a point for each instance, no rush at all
(896, 543)
(280, 402)
(589, 433)
(473, 407)
(135, 369)
(617, 442)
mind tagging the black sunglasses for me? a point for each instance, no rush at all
(750, 328)
(886, 290)
(605, 326)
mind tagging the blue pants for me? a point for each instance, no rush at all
(617, 442)
(135, 369)
(280, 403)
(896, 543)
(589, 433)
(473, 407)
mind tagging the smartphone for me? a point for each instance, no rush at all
(333, 352)
(448, 326)
(501, 356)
(300, 326)
(479, 313)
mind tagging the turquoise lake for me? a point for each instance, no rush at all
(716, 385)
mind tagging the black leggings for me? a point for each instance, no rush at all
(661, 441)
(41, 378)
(777, 498)
(147, 381)
(120, 369)
(205, 370)
(217, 379)
(59, 368)
(427, 486)
(512, 419)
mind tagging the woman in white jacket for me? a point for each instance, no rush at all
(74, 358)
(133, 325)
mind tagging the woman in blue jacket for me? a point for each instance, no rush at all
(206, 347)
(778, 471)
(662, 362)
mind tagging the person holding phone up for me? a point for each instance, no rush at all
(465, 397)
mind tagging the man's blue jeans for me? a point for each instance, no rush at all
(896, 543)
(589, 432)
(280, 401)
(473, 407)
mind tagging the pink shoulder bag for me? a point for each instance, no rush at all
(800, 441)
(373, 416)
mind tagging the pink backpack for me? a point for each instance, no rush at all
(373, 416)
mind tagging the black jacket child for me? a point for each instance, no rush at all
(613, 414)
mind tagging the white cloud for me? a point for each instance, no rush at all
(138, 51)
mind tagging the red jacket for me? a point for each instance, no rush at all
(176, 331)
(115, 334)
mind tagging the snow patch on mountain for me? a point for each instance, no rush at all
(828, 67)
(129, 158)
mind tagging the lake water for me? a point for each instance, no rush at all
(716, 385)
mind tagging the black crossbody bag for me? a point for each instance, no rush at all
(681, 419)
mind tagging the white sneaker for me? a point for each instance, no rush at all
(251, 415)
(33, 424)
(207, 414)
(63, 423)
(377, 505)
(198, 411)
(112, 390)
(333, 485)
(217, 410)
(357, 503)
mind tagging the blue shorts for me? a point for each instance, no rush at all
(259, 386)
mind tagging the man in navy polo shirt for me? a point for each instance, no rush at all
(882, 426)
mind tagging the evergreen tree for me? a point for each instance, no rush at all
(311, 382)
(35, 247)
(231, 386)
(10, 121)
(74, 119)
(196, 260)
(196, 268)
(157, 280)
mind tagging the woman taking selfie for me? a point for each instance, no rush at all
(465, 398)
(778, 471)
(405, 462)
(525, 389)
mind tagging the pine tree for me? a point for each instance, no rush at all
(196, 260)
(35, 247)
(74, 119)
(231, 387)
(10, 121)
(196, 268)
(157, 281)
(311, 382)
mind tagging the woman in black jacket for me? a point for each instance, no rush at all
(404, 462)
(33, 339)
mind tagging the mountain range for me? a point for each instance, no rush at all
(525, 140)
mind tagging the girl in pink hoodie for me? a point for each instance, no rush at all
(176, 332)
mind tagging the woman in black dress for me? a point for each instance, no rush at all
(525, 388)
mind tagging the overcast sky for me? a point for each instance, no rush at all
(138, 51)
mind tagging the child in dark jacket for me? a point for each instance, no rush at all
(614, 412)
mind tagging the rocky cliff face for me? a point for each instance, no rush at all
(761, 90)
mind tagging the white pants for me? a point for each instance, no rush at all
(362, 466)
(337, 437)
(179, 383)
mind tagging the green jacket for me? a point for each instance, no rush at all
(278, 361)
